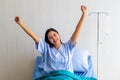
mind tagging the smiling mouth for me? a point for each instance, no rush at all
(56, 41)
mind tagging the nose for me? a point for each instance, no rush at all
(54, 38)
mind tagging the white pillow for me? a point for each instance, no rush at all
(80, 60)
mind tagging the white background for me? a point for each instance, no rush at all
(17, 51)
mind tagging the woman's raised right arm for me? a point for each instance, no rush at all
(26, 29)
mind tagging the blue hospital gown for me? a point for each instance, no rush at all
(55, 59)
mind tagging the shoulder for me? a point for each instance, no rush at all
(41, 44)
(69, 44)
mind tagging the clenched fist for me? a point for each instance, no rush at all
(18, 20)
(84, 9)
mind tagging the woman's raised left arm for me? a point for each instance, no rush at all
(79, 25)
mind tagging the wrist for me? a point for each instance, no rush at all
(19, 23)
(84, 13)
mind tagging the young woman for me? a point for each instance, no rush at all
(56, 55)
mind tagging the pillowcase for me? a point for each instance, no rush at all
(80, 60)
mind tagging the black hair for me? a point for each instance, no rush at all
(46, 36)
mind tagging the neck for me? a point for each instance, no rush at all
(58, 46)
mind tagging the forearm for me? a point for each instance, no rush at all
(29, 32)
(80, 24)
(78, 28)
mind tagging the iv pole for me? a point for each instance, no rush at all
(98, 34)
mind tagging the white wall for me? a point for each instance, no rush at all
(17, 52)
(109, 49)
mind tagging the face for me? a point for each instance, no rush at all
(54, 38)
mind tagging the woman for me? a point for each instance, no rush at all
(56, 55)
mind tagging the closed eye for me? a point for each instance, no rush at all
(54, 35)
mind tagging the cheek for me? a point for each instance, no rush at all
(51, 41)
(58, 37)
